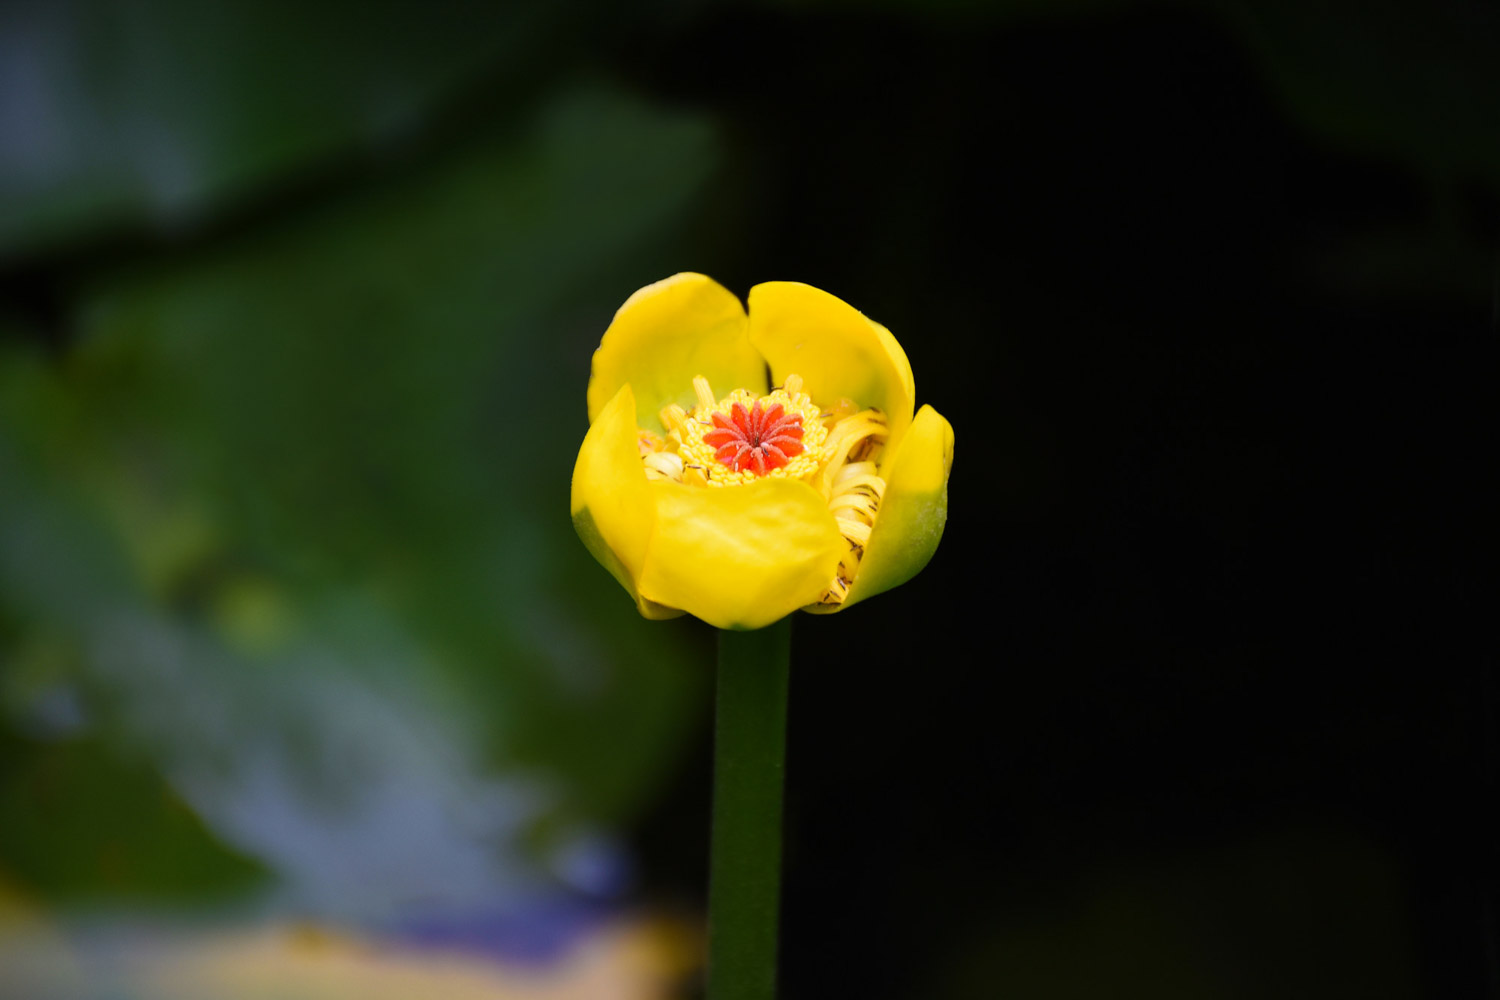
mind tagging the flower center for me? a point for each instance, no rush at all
(761, 438)
(741, 438)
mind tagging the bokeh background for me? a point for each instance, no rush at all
(307, 688)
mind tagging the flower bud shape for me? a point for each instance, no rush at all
(809, 484)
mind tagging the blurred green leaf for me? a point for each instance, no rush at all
(335, 452)
(82, 823)
(164, 112)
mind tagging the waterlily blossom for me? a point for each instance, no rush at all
(809, 484)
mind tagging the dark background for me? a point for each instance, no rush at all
(295, 336)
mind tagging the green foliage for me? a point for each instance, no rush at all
(336, 448)
(83, 824)
(165, 113)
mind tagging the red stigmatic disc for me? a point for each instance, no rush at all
(760, 439)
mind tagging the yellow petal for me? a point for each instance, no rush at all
(913, 512)
(613, 511)
(740, 556)
(837, 351)
(664, 335)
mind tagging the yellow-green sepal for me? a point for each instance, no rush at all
(913, 512)
(666, 334)
(838, 351)
(613, 511)
(740, 557)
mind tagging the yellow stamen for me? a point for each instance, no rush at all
(663, 465)
(843, 409)
(859, 503)
(673, 417)
(854, 490)
(648, 442)
(851, 440)
(856, 531)
(705, 394)
(857, 476)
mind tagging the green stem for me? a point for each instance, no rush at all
(744, 879)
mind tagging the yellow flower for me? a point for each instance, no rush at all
(742, 508)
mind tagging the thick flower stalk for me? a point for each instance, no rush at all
(739, 466)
